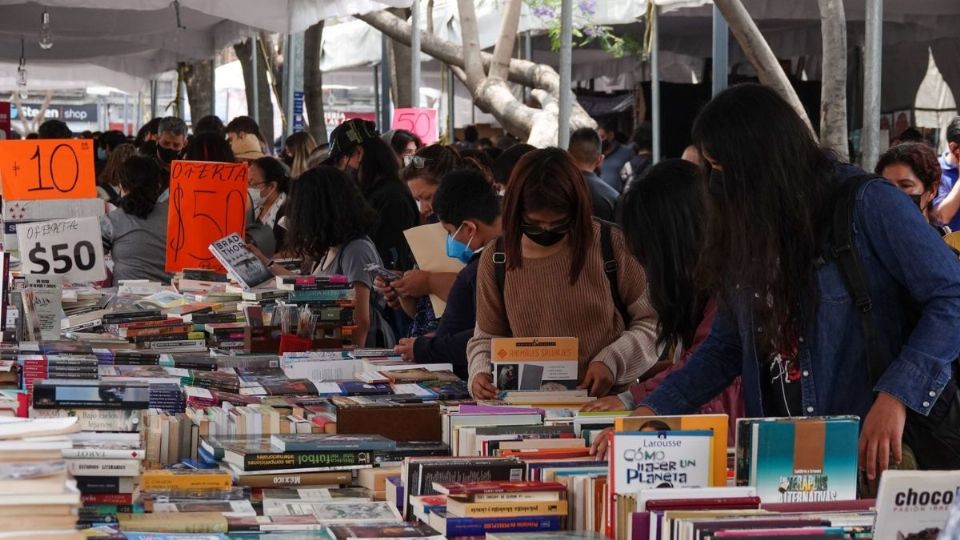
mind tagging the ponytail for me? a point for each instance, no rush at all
(141, 178)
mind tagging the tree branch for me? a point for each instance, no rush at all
(758, 51)
(503, 50)
(833, 86)
(472, 63)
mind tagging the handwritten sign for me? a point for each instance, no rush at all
(48, 292)
(70, 248)
(207, 202)
(423, 122)
(47, 169)
(660, 459)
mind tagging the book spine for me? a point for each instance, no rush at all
(185, 482)
(106, 498)
(180, 336)
(156, 330)
(101, 453)
(302, 460)
(99, 485)
(511, 509)
(95, 419)
(161, 345)
(341, 478)
(103, 467)
(458, 526)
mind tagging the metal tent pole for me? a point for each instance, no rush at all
(721, 40)
(873, 50)
(566, 61)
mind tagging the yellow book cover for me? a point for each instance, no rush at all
(717, 423)
(543, 363)
(508, 508)
(167, 480)
(183, 522)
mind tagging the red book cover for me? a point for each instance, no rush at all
(729, 503)
(107, 498)
(477, 488)
(173, 321)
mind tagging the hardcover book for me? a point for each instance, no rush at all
(240, 262)
(316, 442)
(541, 364)
(914, 505)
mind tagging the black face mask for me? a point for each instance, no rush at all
(916, 200)
(167, 154)
(715, 183)
(544, 238)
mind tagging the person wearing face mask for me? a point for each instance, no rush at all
(171, 139)
(946, 206)
(268, 181)
(469, 210)
(913, 168)
(135, 233)
(557, 272)
(296, 150)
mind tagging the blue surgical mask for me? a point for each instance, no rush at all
(457, 249)
(101, 154)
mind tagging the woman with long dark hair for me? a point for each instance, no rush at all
(556, 281)
(357, 149)
(787, 322)
(108, 182)
(135, 234)
(662, 217)
(328, 223)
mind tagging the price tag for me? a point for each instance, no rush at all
(47, 169)
(423, 122)
(70, 248)
(207, 202)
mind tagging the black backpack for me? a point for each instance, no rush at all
(609, 268)
(935, 438)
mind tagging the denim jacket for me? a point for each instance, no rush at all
(903, 258)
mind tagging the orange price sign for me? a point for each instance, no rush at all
(423, 122)
(47, 169)
(207, 202)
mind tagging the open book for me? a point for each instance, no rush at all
(242, 265)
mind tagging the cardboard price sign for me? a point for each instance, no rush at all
(70, 248)
(207, 202)
(423, 122)
(47, 169)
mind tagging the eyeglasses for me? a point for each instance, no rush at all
(417, 162)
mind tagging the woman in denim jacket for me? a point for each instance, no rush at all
(786, 323)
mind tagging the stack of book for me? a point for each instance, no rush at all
(476, 508)
(38, 497)
(108, 468)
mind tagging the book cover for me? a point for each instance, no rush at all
(317, 442)
(341, 514)
(104, 467)
(292, 479)
(457, 507)
(464, 489)
(177, 480)
(805, 459)
(422, 473)
(541, 364)
(660, 459)
(716, 423)
(454, 526)
(915, 505)
(240, 262)
(396, 531)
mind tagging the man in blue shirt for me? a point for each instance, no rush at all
(585, 149)
(947, 202)
(469, 210)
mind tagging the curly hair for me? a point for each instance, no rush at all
(142, 179)
(326, 209)
(918, 156)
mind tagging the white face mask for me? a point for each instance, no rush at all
(256, 197)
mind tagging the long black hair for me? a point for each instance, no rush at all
(325, 209)
(142, 179)
(662, 218)
(765, 205)
(378, 166)
(209, 146)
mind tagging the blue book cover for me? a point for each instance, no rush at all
(463, 526)
(805, 459)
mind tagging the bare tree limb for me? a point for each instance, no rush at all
(503, 51)
(458, 71)
(472, 63)
(758, 51)
(313, 82)
(833, 86)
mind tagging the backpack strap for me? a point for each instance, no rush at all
(610, 267)
(500, 269)
(850, 264)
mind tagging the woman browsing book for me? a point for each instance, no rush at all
(328, 224)
(547, 277)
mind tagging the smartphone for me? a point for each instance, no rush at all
(381, 272)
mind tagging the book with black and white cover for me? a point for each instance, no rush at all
(240, 262)
(915, 504)
(104, 467)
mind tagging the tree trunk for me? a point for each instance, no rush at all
(265, 121)
(199, 80)
(500, 67)
(761, 57)
(313, 83)
(521, 121)
(274, 67)
(833, 86)
(399, 57)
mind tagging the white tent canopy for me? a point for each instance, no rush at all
(142, 37)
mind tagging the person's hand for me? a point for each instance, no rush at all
(387, 292)
(598, 380)
(405, 348)
(483, 388)
(415, 283)
(601, 443)
(882, 435)
(609, 403)
(643, 411)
